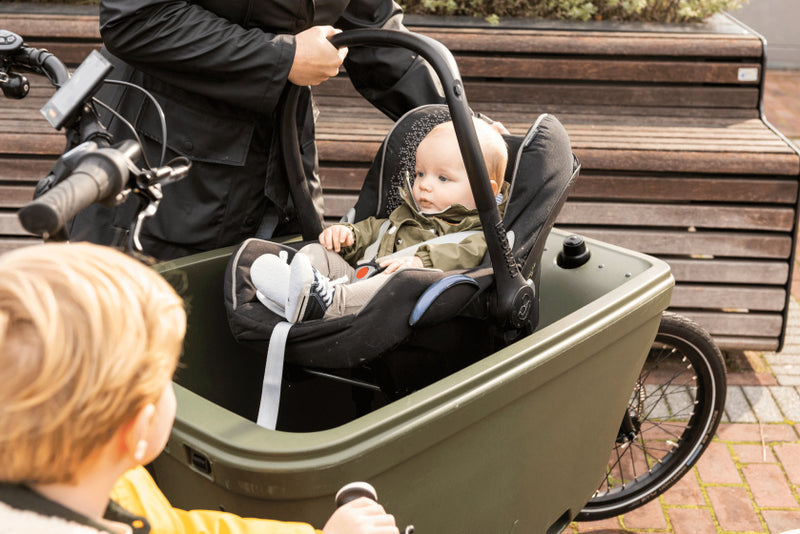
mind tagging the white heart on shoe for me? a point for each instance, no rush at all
(270, 276)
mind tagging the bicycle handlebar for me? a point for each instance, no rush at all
(99, 176)
(43, 62)
(15, 53)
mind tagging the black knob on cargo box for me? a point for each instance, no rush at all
(573, 252)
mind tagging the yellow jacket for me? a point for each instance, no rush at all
(137, 492)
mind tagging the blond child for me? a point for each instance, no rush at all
(439, 203)
(89, 340)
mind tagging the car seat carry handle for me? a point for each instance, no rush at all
(311, 224)
(514, 297)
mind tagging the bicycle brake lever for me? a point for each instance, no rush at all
(153, 195)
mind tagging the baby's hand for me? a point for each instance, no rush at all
(395, 264)
(333, 237)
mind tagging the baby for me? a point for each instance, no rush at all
(436, 227)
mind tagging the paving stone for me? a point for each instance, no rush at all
(604, 525)
(686, 491)
(782, 358)
(717, 467)
(742, 433)
(733, 508)
(751, 379)
(788, 380)
(691, 521)
(657, 408)
(781, 520)
(789, 456)
(763, 404)
(789, 370)
(649, 516)
(753, 454)
(788, 400)
(769, 486)
(773, 433)
(737, 407)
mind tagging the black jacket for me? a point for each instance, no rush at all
(219, 68)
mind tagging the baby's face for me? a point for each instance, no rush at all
(441, 178)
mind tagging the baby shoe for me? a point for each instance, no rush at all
(310, 292)
(270, 276)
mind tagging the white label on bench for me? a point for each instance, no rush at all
(748, 74)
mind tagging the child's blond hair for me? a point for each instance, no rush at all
(493, 146)
(88, 336)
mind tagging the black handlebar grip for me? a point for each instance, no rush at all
(99, 176)
(355, 490)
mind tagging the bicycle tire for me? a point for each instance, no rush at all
(672, 416)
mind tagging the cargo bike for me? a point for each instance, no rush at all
(487, 400)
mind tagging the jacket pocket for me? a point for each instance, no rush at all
(208, 136)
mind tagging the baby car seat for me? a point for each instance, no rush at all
(423, 323)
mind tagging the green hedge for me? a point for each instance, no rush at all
(616, 10)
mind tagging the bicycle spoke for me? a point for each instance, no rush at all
(668, 416)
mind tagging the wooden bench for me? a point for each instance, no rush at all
(677, 159)
(28, 144)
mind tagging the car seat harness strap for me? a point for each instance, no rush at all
(273, 376)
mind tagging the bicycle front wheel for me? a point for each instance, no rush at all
(672, 415)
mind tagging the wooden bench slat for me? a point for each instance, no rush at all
(24, 169)
(723, 271)
(691, 162)
(10, 225)
(31, 25)
(756, 324)
(680, 215)
(342, 103)
(32, 144)
(543, 93)
(16, 196)
(697, 188)
(595, 43)
(606, 70)
(728, 297)
(674, 243)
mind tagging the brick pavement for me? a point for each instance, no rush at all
(748, 481)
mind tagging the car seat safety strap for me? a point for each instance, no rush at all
(455, 237)
(372, 250)
(273, 376)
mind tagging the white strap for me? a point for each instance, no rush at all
(456, 237)
(273, 376)
(372, 250)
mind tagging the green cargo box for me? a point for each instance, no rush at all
(516, 442)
